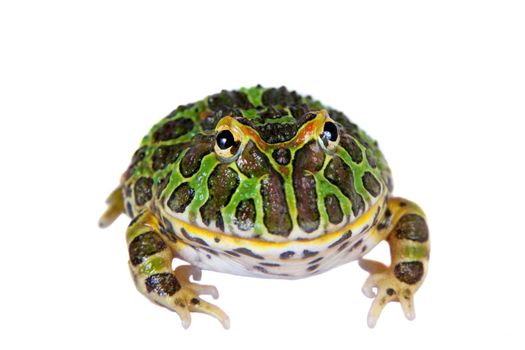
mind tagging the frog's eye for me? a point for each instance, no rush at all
(329, 136)
(226, 144)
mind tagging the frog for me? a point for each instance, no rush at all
(264, 182)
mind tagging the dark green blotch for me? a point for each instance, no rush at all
(245, 214)
(165, 155)
(412, 227)
(142, 190)
(340, 174)
(280, 96)
(351, 146)
(277, 132)
(409, 272)
(371, 184)
(333, 209)
(307, 161)
(173, 129)
(226, 101)
(191, 161)
(222, 183)
(164, 284)
(282, 156)
(276, 215)
(137, 157)
(181, 198)
(143, 246)
(253, 162)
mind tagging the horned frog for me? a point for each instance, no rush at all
(267, 183)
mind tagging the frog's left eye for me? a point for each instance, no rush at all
(329, 136)
(226, 144)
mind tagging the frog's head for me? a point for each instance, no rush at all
(299, 174)
(267, 163)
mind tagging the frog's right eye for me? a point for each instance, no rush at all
(227, 144)
(225, 139)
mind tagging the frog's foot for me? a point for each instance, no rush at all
(115, 204)
(387, 288)
(406, 232)
(187, 299)
(151, 255)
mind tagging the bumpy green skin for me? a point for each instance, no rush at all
(179, 151)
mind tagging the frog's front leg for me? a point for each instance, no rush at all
(150, 259)
(406, 232)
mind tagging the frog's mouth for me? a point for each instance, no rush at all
(203, 236)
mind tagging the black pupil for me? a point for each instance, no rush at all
(330, 131)
(225, 139)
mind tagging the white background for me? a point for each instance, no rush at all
(440, 84)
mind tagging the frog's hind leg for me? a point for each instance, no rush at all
(115, 204)
(150, 260)
(406, 232)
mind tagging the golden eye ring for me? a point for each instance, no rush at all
(227, 143)
(329, 136)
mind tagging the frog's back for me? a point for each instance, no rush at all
(278, 181)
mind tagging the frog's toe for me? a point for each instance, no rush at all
(387, 288)
(190, 293)
(199, 305)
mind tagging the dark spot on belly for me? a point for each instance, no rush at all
(315, 260)
(193, 238)
(341, 239)
(342, 246)
(260, 268)
(309, 253)
(313, 267)
(232, 253)
(270, 264)
(248, 252)
(287, 255)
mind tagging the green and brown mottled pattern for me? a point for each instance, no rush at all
(269, 191)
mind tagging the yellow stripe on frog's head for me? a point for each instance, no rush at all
(309, 130)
